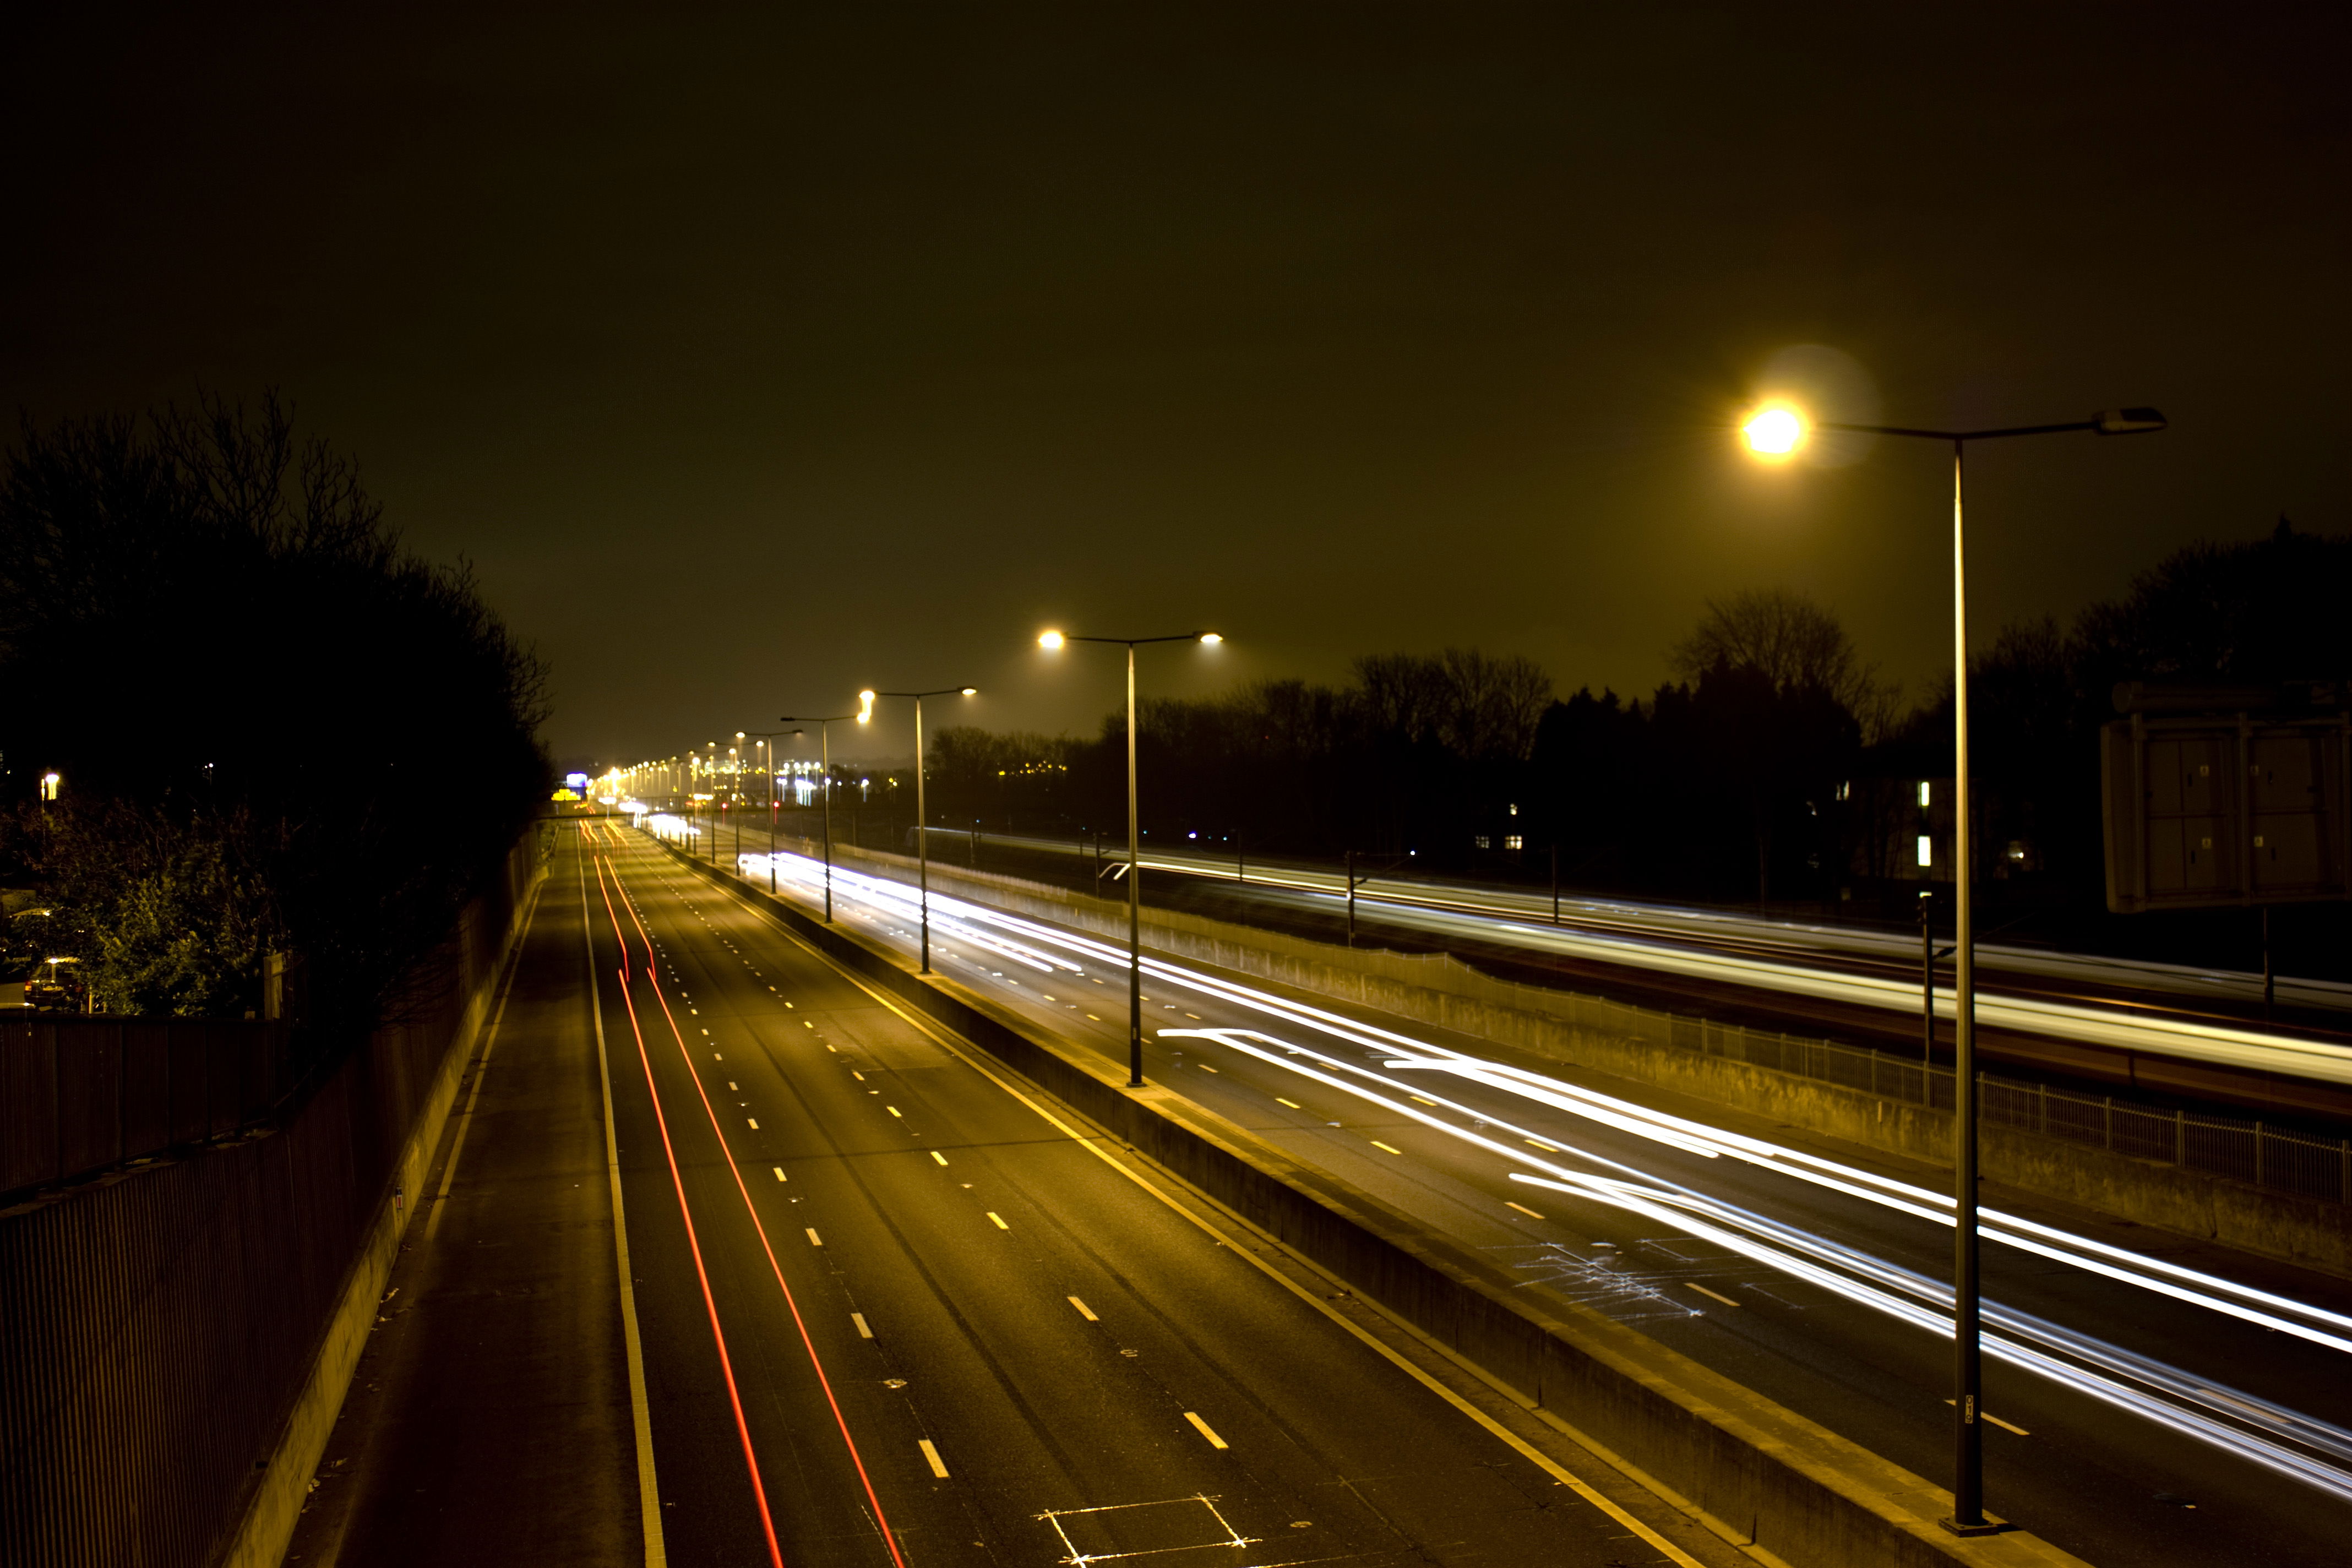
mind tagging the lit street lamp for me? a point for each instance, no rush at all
(824, 751)
(767, 738)
(922, 823)
(1052, 642)
(1777, 432)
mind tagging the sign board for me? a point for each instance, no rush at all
(2205, 811)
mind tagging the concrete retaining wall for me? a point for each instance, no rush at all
(1790, 1490)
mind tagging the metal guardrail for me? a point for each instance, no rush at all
(2236, 1149)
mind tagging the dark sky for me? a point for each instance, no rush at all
(757, 355)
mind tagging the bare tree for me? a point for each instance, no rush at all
(1492, 704)
(1784, 636)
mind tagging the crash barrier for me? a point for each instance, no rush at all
(161, 1329)
(1785, 1488)
(81, 1094)
(2233, 1148)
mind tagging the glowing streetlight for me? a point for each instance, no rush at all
(1051, 641)
(1776, 431)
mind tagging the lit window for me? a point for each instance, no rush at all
(1513, 840)
(1515, 811)
(1845, 790)
(1483, 842)
(1926, 847)
(1923, 800)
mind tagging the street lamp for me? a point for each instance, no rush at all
(922, 822)
(1777, 432)
(824, 751)
(1052, 642)
(768, 738)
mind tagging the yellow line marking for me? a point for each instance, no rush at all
(754, 1121)
(779, 1169)
(1292, 1103)
(942, 1159)
(939, 1466)
(1202, 1428)
(632, 1342)
(815, 1239)
(894, 1110)
(1710, 1295)
(999, 1219)
(1522, 1208)
(1390, 1147)
(863, 1332)
(1084, 1310)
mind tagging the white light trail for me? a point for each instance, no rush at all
(2117, 1377)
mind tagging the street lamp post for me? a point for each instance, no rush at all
(922, 823)
(824, 754)
(768, 738)
(1779, 431)
(1051, 641)
(735, 807)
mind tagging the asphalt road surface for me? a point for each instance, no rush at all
(893, 1312)
(2154, 1400)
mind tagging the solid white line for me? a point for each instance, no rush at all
(1202, 1428)
(1084, 1310)
(863, 1332)
(1997, 1421)
(939, 1466)
(640, 1413)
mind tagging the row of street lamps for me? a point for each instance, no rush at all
(1775, 432)
(1052, 641)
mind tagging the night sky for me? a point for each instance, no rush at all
(756, 359)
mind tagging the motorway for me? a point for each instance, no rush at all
(2074, 1014)
(2154, 1400)
(896, 1310)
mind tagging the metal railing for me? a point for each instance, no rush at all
(2234, 1148)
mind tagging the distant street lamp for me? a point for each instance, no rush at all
(768, 738)
(1052, 642)
(922, 823)
(824, 751)
(1777, 432)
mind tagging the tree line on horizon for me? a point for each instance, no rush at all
(1774, 765)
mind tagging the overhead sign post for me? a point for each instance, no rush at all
(2207, 809)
